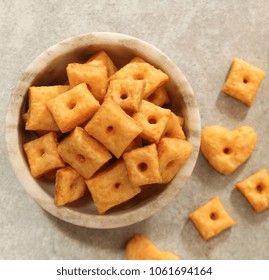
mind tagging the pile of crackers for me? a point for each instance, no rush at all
(106, 131)
(109, 132)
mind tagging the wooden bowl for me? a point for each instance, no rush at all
(49, 69)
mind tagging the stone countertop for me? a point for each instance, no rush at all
(202, 38)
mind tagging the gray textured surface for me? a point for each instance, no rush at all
(201, 37)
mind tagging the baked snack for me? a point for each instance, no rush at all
(153, 77)
(85, 154)
(96, 77)
(256, 190)
(227, 149)
(42, 154)
(38, 117)
(127, 93)
(143, 165)
(111, 187)
(139, 247)
(101, 58)
(73, 108)
(153, 120)
(243, 81)
(69, 186)
(172, 153)
(211, 218)
(113, 127)
(107, 131)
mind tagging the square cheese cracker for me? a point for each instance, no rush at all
(243, 81)
(256, 190)
(111, 187)
(211, 218)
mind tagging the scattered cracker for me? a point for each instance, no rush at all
(140, 247)
(226, 149)
(211, 219)
(243, 81)
(256, 190)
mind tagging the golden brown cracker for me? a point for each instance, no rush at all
(95, 77)
(73, 107)
(243, 81)
(39, 117)
(153, 77)
(139, 247)
(127, 93)
(113, 127)
(172, 153)
(69, 186)
(153, 119)
(83, 153)
(159, 97)
(227, 149)
(211, 218)
(101, 58)
(42, 154)
(173, 128)
(111, 187)
(256, 190)
(143, 165)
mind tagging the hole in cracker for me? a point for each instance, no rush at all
(124, 96)
(213, 216)
(170, 163)
(73, 186)
(80, 158)
(227, 151)
(42, 153)
(72, 105)
(109, 128)
(152, 120)
(259, 188)
(142, 166)
(245, 81)
(139, 76)
(167, 134)
(117, 185)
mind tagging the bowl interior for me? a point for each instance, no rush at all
(50, 69)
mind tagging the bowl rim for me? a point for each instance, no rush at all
(14, 148)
